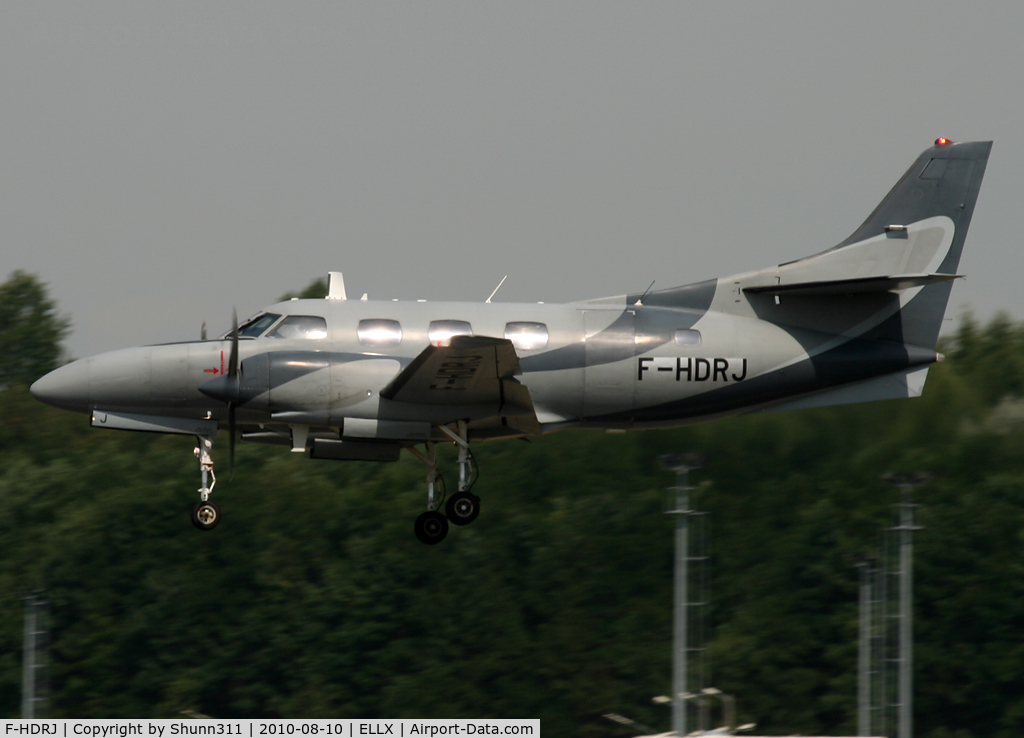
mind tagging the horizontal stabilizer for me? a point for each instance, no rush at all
(855, 286)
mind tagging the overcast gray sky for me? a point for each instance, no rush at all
(162, 162)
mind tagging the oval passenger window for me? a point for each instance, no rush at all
(442, 330)
(527, 336)
(379, 333)
(688, 337)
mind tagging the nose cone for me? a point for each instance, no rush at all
(66, 387)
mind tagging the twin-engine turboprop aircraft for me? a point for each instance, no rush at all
(363, 379)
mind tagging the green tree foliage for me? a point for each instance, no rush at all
(313, 599)
(30, 330)
(316, 289)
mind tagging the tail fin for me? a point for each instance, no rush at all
(945, 180)
(910, 244)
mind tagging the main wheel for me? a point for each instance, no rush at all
(205, 515)
(462, 508)
(431, 527)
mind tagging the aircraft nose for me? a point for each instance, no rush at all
(66, 387)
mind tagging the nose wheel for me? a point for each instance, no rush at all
(205, 515)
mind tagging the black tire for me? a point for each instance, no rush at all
(205, 515)
(431, 527)
(462, 508)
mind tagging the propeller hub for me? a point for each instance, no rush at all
(222, 389)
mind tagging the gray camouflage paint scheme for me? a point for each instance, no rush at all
(828, 329)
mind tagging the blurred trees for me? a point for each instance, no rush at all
(313, 599)
(30, 330)
(316, 289)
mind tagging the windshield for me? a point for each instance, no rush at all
(255, 325)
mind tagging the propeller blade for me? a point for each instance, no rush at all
(231, 441)
(233, 357)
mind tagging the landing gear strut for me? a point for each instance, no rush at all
(206, 514)
(430, 527)
(463, 507)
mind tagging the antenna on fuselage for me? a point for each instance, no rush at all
(497, 288)
(641, 300)
(335, 286)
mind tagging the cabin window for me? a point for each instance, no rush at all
(442, 330)
(256, 325)
(527, 336)
(379, 333)
(688, 337)
(300, 326)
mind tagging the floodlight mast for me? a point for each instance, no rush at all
(681, 465)
(906, 528)
(34, 657)
(864, 653)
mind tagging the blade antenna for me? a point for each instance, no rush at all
(641, 300)
(497, 288)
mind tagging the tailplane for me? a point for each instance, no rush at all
(909, 246)
(890, 280)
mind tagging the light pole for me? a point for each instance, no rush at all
(905, 698)
(864, 653)
(682, 466)
(33, 687)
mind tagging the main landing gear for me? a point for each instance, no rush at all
(463, 507)
(206, 514)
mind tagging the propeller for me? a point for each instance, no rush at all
(233, 377)
(226, 388)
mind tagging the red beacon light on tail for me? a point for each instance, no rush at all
(941, 141)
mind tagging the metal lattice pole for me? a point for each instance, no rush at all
(905, 658)
(681, 596)
(34, 658)
(864, 655)
(682, 604)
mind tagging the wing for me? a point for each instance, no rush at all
(472, 371)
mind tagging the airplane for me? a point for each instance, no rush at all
(364, 379)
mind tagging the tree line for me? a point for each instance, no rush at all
(313, 599)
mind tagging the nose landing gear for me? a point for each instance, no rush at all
(463, 507)
(206, 514)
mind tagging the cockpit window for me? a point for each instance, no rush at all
(442, 330)
(379, 332)
(300, 326)
(256, 325)
(527, 336)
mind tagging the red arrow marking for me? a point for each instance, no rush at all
(215, 370)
